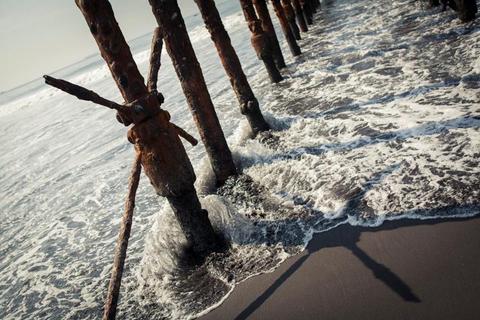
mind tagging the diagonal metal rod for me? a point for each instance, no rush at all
(122, 242)
(185, 135)
(82, 93)
(89, 95)
(155, 59)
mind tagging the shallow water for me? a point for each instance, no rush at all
(378, 119)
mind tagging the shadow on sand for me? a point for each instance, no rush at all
(350, 239)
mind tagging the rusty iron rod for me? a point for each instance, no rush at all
(82, 93)
(155, 59)
(113, 294)
(89, 95)
(126, 115)
(185, 135)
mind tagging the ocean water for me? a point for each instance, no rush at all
(378, 119)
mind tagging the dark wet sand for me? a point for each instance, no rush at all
(407, 269)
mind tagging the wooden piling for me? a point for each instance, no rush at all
(163, 157)
(267, 25)
(302, 23)
(307, 11)
(467, 9)
(287, 31)
(248, 102)
(180, 50)
(260, 41)
(313, 5)
(290, 14)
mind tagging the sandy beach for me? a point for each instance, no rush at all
(406, 269)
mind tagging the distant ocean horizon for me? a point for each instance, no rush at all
(92, 60)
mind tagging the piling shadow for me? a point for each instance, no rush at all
(350, 238)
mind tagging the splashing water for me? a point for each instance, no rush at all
(378, 119)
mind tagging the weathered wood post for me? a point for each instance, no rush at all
(248, 103)
(260, 41)
(290, 14)
(287, 31)
(163, 157)
(467, 9)
(180, 50)
(267, 25)
(307, 11)
(302, 23)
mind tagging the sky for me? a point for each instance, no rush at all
(41, 36)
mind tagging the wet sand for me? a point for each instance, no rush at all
(406, 269)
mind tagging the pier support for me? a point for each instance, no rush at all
(290, 14)
(260, 41)
(180, 50)
(248, 102)
(163, 157)
(267, 25)
(467, 9)
(307, 11)
(302, 23)
(287, 31)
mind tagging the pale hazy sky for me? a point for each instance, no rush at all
(41, 36)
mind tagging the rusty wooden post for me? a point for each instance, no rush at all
(313, 5)
(180, 50)
(260, 41)
(163, 157)
(248, 102)
(267, 25)
(467, 9)
(290, 14)
(299, 14)
(287, 31)
(307, 11)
